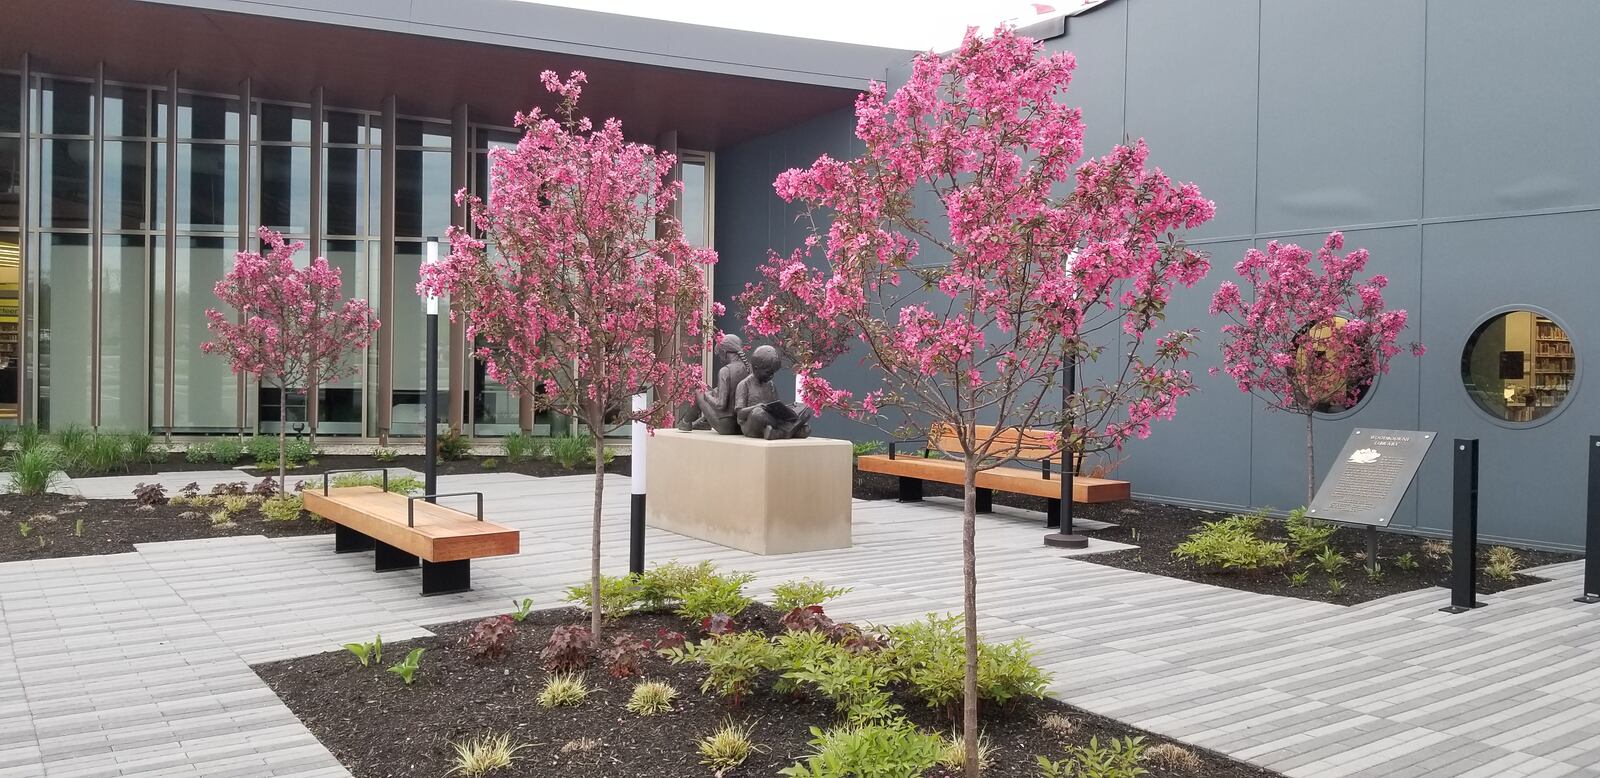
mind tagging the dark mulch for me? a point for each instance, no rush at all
(378, 727)
(113, 526)
(1157, 529)
(542, 468)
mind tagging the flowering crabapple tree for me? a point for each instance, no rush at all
(582, 289)
(295, 329)
(1039, 263)
(1307, 341)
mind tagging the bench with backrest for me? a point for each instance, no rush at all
(402, 531)
(1030, 445)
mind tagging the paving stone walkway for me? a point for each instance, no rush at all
(139, 663)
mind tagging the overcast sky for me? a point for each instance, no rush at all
(901, 24)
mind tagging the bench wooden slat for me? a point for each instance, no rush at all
(1033, 445)
(1004, 479)
(441, 534)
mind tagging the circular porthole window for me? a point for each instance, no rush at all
(1519, 366)
(1335, 385)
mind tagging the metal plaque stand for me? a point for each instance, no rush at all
(1464, 532)
(1591, 543)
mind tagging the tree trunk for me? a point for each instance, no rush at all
(1311, 462)
(283, 427)
(969, 575)
(594, 537)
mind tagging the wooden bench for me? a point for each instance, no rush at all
(1030, 445)
(402, 530)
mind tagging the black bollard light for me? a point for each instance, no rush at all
(1464, 529)
(1065, 536)
(1591, 541)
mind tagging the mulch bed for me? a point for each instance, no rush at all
(542, 468)
(377, 727)
(113, 526)
(1158, 528)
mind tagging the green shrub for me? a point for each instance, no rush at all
(1306, 534)
(1119, 758)
(299, 451)
(866, 447)
(1233, 544)
(453, 446)
(716, 594)
(386, 455)
(857, 682)
(732, 661)
(29, 437)
(34, 470)
(142, 447)
(490, 464)
(930, 655)
(888, 750)
(8, 435)
(663, 585)
(197, 453)
(619, 595)
(399, 484)
(228, 451)
(264, 450)
(103, 453)
(521, 446)
(1331, 561)
(571, 450)
(803, 592)
(284, 507)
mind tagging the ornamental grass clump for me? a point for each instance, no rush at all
(563, 689)
(483, 755)
(650, 698)
(523, 446)
(1233, 544)
(33, 470)
(727, 747)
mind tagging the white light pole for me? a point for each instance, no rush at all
(430, 432)
(640, 434)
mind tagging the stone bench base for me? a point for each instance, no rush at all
(761, 496)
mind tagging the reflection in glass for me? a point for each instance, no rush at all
(127, 111)
(283, 123)
(203, 117)
(10, 182)
(10, 102)
(693, 204)
(1330, 392)
(66, 107)
(413, 132)
(123, 185)
(342, 191)
(341, 127)
(285, 177)
(208, 186)
(205, 389)
(65, 298)
(422, 196)
(1519, 366)
(339, 402)
(409, 326)
(124, 321)
(64, 183)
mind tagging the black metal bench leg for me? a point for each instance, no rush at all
(985, 500)
(446, 577)
(388, 557)
(910, 489)
(1052, 513)
(349, 541)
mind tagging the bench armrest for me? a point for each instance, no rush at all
(894, 443)
(383, 470)
(411, 504)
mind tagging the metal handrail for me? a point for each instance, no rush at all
(383, 470)
(411, 504)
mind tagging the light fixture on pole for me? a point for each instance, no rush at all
(640, 434)
(430, 431)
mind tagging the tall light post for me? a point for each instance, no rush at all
(1065, 535)
(640, 434)
(430, 431)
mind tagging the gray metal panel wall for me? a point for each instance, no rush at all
(1452, 138)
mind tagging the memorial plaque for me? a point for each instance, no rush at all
(1371, 476)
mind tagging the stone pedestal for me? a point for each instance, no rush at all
(761, 496)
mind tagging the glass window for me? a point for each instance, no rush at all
(124, 323)
(693, 204)
(10, 102)
(407, 324)
(123, 185)
(10, 182)
(414, 132)
(64, 183)
(285, 123)
(66, 107)
(127, 112)
(10, 326)
(66, 286)
(203, 117)
(205, 389)
(341, 127)
(1519, 366)
(285, 179)
(422, 193)
(208, 186)
(1331, 391)
(343, 193)
(339, 402)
